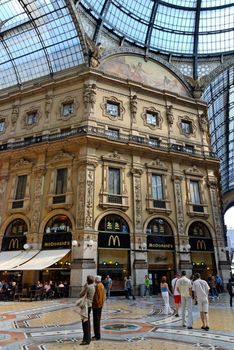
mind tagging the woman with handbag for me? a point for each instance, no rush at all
(85, 304)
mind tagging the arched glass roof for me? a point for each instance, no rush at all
(38, 38)
(180, 27)
(220, 98)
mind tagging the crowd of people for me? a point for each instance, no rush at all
(39, 291)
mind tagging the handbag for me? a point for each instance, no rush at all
(81, 302)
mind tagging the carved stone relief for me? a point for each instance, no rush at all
(169, 114)
(133, 107)
(179, 204)
(137, 197)
(89, 96)
(39, 173)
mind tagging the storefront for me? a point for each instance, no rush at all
(114, 250)
(52, 262)
(161, 247)
(202, 249)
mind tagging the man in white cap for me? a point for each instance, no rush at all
(98, 302)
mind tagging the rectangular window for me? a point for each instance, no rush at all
(31, 118)
(151, 118)
(61, 181)
(154, 142)
(2, 125)
(68, 109)
(21, 187)
(186, 127)
(113, 133)
(114, 181)
(189, 148)
(113, 109)
(195, 192)
(157, 187)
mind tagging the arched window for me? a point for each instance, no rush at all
(17, 227)
(57, 224)
(160, 227)
(198, 229)
(113, 223)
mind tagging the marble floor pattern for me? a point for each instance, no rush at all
(126, 324)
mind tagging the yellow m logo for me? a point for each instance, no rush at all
(113, 239)
(201, 245)
(14, 244)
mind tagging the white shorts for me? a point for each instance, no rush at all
(203, 305)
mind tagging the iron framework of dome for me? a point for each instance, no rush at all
(38, 38)
(188, 28)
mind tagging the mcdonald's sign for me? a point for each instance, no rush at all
(114, 240)
(201, 244)
(13, 244)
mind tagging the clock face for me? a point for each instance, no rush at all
(112, 109)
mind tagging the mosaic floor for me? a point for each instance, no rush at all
(138, 325)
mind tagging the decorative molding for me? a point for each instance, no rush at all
(62, 156)
(114, 157)
(157, 164)
(194, 171)
(23, 164)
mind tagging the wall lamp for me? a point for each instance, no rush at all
(90, 243)
(26, 246)
(74, 243)
(143, 246)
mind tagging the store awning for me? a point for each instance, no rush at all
(43, 259)
(12, 259)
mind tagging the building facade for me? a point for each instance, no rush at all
(108, 170)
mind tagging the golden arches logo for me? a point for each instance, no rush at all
(114, 239)
(14, 244)
(201, 244)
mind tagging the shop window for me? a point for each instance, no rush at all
(58, 224)
(159, 226)
(17, 227)
(18, 201)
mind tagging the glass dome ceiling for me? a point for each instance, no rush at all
(179, 27)
(38, 38)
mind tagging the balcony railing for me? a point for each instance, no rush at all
(102, 133)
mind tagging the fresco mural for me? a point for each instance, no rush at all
(148, 73)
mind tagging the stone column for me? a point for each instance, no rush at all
(85, 255)
(139, 255)
(38, 177)
(222, 264)
(183, 260)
